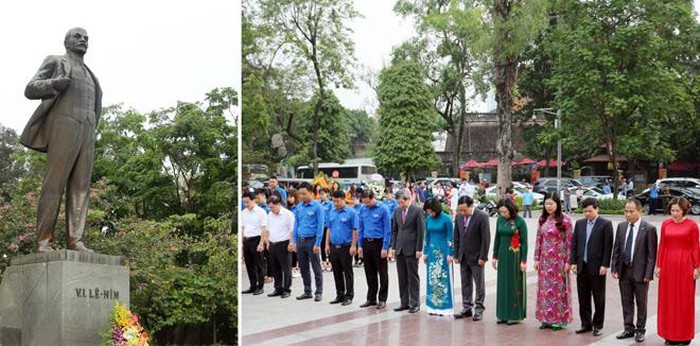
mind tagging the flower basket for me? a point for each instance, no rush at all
(124, 329)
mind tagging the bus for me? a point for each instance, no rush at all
(351, 171)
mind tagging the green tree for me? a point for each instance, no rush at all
(406, 120)
(623, 75)
(444, 48)
(11, 162)
(361, 128)
(314, 39)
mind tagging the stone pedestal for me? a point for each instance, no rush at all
(60, 298)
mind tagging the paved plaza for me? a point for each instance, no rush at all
(276, 321)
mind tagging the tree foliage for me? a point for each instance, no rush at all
(624, 74)
(406, 121)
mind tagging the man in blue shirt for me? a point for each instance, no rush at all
(390, 202)
(261, 199)
(527, 202)
(373, 243)
(653, 198)
(273, 184)
(341, 245)
(308, 233)
(606, 188)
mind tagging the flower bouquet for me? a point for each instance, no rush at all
(124, 329)
(514, 239)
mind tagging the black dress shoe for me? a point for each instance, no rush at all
(414, 309)
(275, 294)
(625, 335)
(248, 291)
(317, 298)
(501, 322)
(478, 316)
(464, 313)
(584, 330)
(346, 302)
(304, 296)
(259, 291)
(285, 295)
(639, 337)
(545, 326)
(401, 308)
(337, 300)
(368, 304)
(597, 332)
(381, 305)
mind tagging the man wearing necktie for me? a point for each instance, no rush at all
(591, 249)
(472, 239)
(633, 261)
(407, 230)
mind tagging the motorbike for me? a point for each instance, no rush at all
(488, 207)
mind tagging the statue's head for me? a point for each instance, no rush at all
(76, 41)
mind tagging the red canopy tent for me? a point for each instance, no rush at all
(523, 162)
(552, 163)
(472, 164)
(681, 166)
(491, 163)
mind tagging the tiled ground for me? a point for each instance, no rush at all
(288, 321)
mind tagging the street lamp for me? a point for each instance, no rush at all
(557, 125)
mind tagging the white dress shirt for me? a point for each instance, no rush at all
(253, 221)
(281, 225)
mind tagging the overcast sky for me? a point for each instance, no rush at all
(146, 54)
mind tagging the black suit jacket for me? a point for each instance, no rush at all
(600, 245)
(407, 237)
(644, 256)
(472, 245)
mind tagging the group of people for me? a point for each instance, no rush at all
(399, 229)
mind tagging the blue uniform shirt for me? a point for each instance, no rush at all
(264, 207)
(392, 205)
(341, 224)
(327, 207)
(309, 222)
(375, 222)
(527, 198)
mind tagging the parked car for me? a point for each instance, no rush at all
(680, 182)
(538, 198)
(595, 180)
(597, 193)
(443, 181)
(690, 194)
(547, 185)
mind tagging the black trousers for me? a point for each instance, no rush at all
(254, 262)
(473, 281)
(409, 281)
(306, 255)
(323, 245)
(281, 267)
(375, 266)
(342, 271)
(591, 286)
(631, 291)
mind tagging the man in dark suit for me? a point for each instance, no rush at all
(471, 246)
(633, 261)
(407, 231)
(63, 126)
(591, 248)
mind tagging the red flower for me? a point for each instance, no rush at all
(515, 242)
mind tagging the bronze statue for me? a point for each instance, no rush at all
(63, 126)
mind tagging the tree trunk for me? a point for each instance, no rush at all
(505, 73)
(317, 106)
